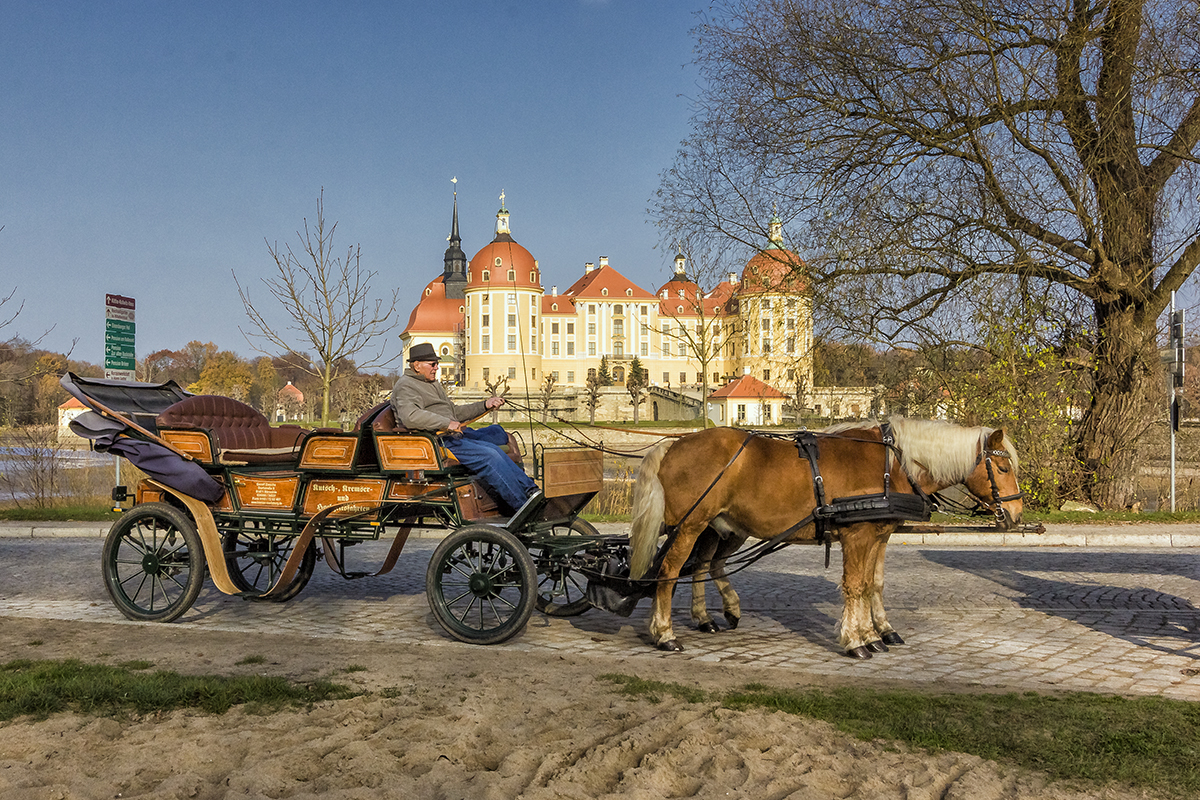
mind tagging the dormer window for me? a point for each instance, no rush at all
(604, 292)
(499, 261)
(533, 277)
(554, 306)
(487, 275)
(512, 275)
(629, 292)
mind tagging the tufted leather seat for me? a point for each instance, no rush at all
(239, 433)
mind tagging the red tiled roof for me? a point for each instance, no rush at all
(566, 305)
(773, 270)
(513, 257)
(748, 386)
(72, 402)
(435, 313)
(593, 284)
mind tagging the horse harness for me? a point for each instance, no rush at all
(844, 510)
(986, 455)
(880, 507)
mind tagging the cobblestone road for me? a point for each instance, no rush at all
(1103, 620)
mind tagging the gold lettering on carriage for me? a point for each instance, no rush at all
(323, 494)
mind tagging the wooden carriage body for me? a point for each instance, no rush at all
(256, 499)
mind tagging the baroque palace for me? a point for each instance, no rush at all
(490, 319)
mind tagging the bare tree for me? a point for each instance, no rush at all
(635, 384)
(497, 388)
(329, 305)
(591, 397)
(701, 319)
(930, 143)
(546, 394)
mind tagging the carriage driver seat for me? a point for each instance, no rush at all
(382, 419)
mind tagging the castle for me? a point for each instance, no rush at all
(491, 320)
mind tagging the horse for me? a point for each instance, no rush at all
(713, 489)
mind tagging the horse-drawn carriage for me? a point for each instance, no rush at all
(245, 501)
(229, 494)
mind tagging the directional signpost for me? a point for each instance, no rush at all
(120, 358)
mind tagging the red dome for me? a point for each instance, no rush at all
(774, 270)
(435, 313)
(503, 264)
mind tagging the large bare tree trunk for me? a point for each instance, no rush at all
(1125, 380)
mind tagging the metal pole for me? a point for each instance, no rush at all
(1171, 397)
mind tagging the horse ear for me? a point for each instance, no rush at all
(996, 439)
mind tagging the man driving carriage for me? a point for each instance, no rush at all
(420, 403)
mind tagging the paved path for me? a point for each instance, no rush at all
(1113, 620)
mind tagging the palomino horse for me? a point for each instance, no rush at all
(722, 486)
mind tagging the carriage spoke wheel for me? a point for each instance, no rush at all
(153, 563)
(480, 585)
(256, 559)
(562, 592)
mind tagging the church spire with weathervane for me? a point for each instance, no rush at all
(502, 231)
(454, 275)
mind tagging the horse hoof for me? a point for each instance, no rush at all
(859, 652)
(877, 647)
(891, 637)
(670, 646)
(732, 620)
(708, 627)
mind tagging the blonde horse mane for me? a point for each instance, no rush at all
(944, 451)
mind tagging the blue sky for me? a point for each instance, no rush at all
(150, 148)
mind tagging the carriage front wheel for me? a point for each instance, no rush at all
(481, 585)
(562, 591)
(153, 563)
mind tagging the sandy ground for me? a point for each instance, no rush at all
(454, 721)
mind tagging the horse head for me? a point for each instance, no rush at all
(993, 481)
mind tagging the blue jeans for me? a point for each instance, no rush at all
(478, 449)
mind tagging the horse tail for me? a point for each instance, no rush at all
(649, 507)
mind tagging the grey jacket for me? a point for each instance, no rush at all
(422, 405)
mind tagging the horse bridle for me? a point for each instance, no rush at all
(985, 456)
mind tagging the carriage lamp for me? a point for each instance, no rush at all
(119, 495)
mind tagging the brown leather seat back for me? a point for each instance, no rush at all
(235, 425)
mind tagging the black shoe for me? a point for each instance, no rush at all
(531, 505)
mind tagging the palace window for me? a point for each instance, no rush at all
(485, 343)
(570, 348)
(512, 342)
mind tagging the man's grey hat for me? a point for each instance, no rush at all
(422, 352)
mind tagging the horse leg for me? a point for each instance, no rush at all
(705, 548)
(887, 633)
(714, 550)
(731, 604)
(858, 578)
(661, 632)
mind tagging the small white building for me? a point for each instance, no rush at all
(746, 401)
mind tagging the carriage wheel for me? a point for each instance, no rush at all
(256, 559)
(562, 592)
(153, 563)
(480, 585)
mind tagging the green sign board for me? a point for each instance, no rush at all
(118, 326)
(111, 362)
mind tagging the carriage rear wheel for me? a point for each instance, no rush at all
(255, 561)
(153, 563)
(562, 592)
(480, 585)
